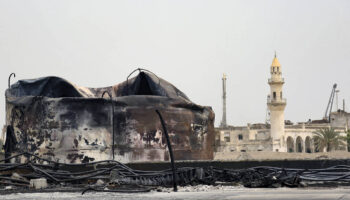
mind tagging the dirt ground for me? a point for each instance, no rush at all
(205, 193)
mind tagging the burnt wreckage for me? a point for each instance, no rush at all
(83, 136)
(54, 118)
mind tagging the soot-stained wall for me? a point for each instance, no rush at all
(56, 119)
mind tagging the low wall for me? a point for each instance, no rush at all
(300, 164)
(264, 155)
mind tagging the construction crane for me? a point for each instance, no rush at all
(327, 114)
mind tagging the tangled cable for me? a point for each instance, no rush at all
(117, 177)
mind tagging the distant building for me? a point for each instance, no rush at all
(340, 118)
(279, 135)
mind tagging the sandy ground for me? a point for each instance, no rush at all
(202, 192)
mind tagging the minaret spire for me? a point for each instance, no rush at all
(276, 104)
(223, 121)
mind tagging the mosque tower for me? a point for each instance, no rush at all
(223, 121)
(276, 104)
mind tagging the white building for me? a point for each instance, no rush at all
(276, 136)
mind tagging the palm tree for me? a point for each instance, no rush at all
(327, 138)
(347, 138)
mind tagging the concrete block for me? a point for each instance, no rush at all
(18, 177)
(38, 183)
(99, 182)
(9, 187)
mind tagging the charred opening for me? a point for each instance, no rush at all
(10, 142)
(144, 84)
(144, 87)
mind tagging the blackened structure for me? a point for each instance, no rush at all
(51, 116)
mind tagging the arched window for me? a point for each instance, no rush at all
(308, 144)
(290, 144)
(299, 144)
(273, 69)
(278, 69)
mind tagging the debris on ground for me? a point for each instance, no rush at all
(38, 183)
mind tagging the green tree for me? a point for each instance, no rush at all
(328, 138)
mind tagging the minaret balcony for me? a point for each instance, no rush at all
(276, 81)
(276, 101)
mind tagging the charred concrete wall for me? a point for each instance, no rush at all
(79, 129)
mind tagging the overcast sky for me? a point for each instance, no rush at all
(190, 44)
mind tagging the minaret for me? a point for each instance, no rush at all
(223, 121)
(276, 104)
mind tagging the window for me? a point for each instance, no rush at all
(281, 95)
(274, 95)
(278, 69)
(227, 136)
(273, 69)
(240, 137)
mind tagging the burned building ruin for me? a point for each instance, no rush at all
(54, 118)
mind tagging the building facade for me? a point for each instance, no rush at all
(278, 135)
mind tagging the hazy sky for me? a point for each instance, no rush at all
(190, 44)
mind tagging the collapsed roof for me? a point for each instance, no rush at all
(55, 87)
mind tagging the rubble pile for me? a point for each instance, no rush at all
(39, 174)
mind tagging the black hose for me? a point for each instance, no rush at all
(260, 176)
(15, 184)
(13, 179)
(170, 150)
(118, 190)
(45, 173)
(72, 164)
(9, 158)
(9, 81)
